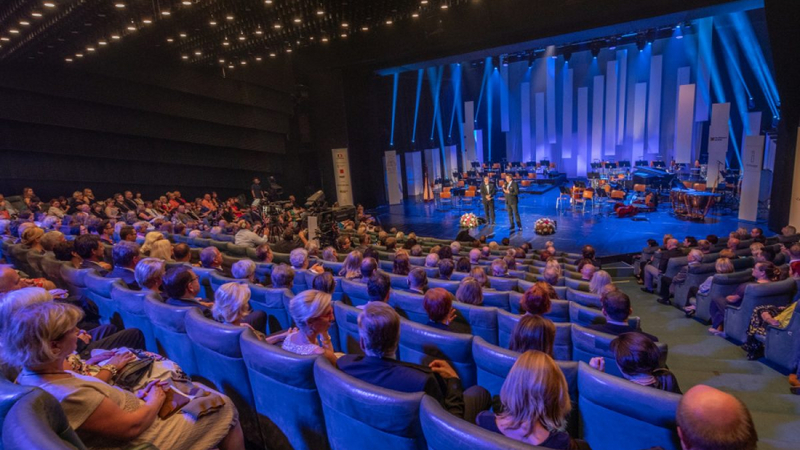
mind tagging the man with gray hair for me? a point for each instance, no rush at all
(125, 255)
(246, 237)
(432, 260)
(455, 247)
(298, 258)
(651, 271)
(211, 258)
(474, 256)
(417, 281)
(243, 270)
(379, 336)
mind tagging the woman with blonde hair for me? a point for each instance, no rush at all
(232, 305)
(599, 280)
(150, 239)
(312, 311)
(351, 269)
(32, 239)
(161, 249)
(43, 335)
(535, 404)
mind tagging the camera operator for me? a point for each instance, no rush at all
(248, 238)
(289, 242)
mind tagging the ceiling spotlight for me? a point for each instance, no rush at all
(102, 43)
(212, 22)
(288, 50)
(225, 42)
(183, 35)
(258, 58)
(198, 53)
(79, 55)
(364, 28)
(186, 3)
(49, 5)
(116, 37)
(269, 2)
(147, 21)
(131, 27)
(68, 59)
(272, 55)
(119, 5)
(36, 14)
(242, 37)
(24, 23)
(297, 20)
(231, 66)
(344, 35)
(415, 15)
(89, 49)
(4, 39)
(13, 31)
(389, 22)
(184, 56)
(259, 31)
(345, 25)
(229, 17)
(244, 63)
(324, 39)
(444, 6)
(168, 39)
(277, 26)
(424, 2)
(320, 12)
(165, 13)
(222, 61)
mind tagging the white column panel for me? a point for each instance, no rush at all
(597, 119)
(610, 142)
(684, 124)
(341, 167)
(525, 124)
(414, 173)
(540, 133)
(654, 106)
(469, 128)
(583, 131)
(717, 142)
(551, 101)
(504, 111)
(451, 161)
(752, 158)
(639, 112)
(566, 109)
(622, 58)
(394, 191)
(478, 147)
(704, 54)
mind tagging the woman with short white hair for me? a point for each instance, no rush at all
(150, 239)
(162, 250)
(149, 273)
(232, 304)
(43, 335)
(600, 279)
(312, 311)
(244, 270)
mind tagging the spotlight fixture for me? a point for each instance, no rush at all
(119, 5)
(4, 39)
(229, 17)
(277, 26)
(242, 37)
(297, 20)
(186, 3)
(415, 15)
(212, 22)
(36, 14)
(272, 55)
(168, 39)
(268, 2)
(222, 61)
(320, 12)
(79, 55)
(288, 50)
(90, 49)
(345, 24)
(324, 39)
(244, 63)
(641, 41)
(364, 28)
(68, 60)
(198, 53)
(147, 21)
(116, 37)
(183, 35)
(184, 56)
(259, 31)
(166, 13)
(13, 31)
(612, 44)
(595, 48)
(444, 6)
(24, 23)
(225, 42)
(258, 58)
(389, 22)
(102, 43)
(49, 5)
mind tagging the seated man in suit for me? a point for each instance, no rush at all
(379, 336)
(182, 253)
(369, 267)
(91, 251)
(125, 255)
(617, 309)
(668, 284)
(418, 281)
(379, 286)
(211, 258)
(651, 271)
(181, 287)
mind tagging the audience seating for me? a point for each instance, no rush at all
(562, 347)
(99, 291)
(204, 277)
(355, 292)
(577, 285)
(449, 286)
(503, 284)
(130, 305)
(444, 431)
(621, 415)
(724, 284)
(475, 320)
(695, 276)
(52, 271)
(421, 344)
(359, 415)
(782, 345)
(291, 416)
(584, 298)
(737, 318)
(497, 299)
(559, 311)
(75, 280)
(35, 264)
(275, 304)
(587, 344)
(409, 305)
(347, 326)
(18, 256)
(218, 355)
(583, 316)
(169, 329)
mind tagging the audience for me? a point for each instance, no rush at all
(91, 251)
(243, 270)
(637, 357)
(282, 277)
(533, 332)
(351, 269)
(470, 292)
(125, 256)
(536, 300)
(417, 281)
(379, 287)
(652, 271)
(149, 274)
(324, 282)
(763, 272)
(446, 268)
(600, 280)
(616, 309)
(668, 284)
(709, 419)
(312, 312)
(401, 265)
(438, 303)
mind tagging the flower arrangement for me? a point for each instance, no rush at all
(545, 226)
(468, 220)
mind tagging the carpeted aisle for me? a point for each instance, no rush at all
(697, 357)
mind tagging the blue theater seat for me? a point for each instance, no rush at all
(264, 272)
(559, 311)
(577, 285)
(782, 345)
(99, 291)
(334, 267)
(221, 245)
(204, 276)
(408, 305)
(737, 318)
(236, 250)
(475, 320)
(421, 344)
(587, 344)
(724, 284)
(286, 397)
(228, 261)
(300, 283)
(695, 276)
(355, 292)
(498, 299)
(583, 316)
(640, 417)
(584, 298)
(562, 347)
(218, 355)
(444, 431)
(52, 271)
(398, 281)
(347, 325)
(503, 284)
(75, 280)
(169, 329)
(513, 302)
(275, 303)
(359, 415)
(217, 279)
(455, 276)
(130, 306)
(449, 286)
(433, 272)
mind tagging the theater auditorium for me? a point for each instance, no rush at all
(399, 224)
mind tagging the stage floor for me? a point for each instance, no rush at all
(607, 233)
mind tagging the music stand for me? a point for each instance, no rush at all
(624, 164)
(659, 164)
(593, 175)
(475, 164)
(641, 163)
(530, 164)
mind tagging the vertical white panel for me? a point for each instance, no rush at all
(478, 137)
(639, 112)
(794, 207)
(622, 58)
(451, 160)
(753, 124)
(432, 164)
(597, 119)
(684, 75)
(414, 173)
(551, 101)
(769, 152)
(341, 167)
(566, 109)
(540, 133)
(504, 111)
(469, 128)
(583, 131)
(654, 106)
(684, 124)
(717, 141)
(394, 191)
(610, 142)
(752, 157)
(525, 124)
(704, 55)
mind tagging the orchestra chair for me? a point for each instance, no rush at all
(564, 194)
(469, 196)
(446, 197)
(618, 195)
(588, 197)
(639, 191)
(531, 176)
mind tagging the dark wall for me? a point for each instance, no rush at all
(147, 128)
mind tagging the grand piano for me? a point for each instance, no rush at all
(654, 178)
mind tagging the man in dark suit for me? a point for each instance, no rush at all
(488, 190)
(91, 251)
(511, 191)
(125, 255)
(617, 309)
(651, 271)
(379, 333)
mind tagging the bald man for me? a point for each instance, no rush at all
(711, 419)
(11, 281)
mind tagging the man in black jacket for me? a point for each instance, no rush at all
(511, 191)
(125, 255)
(379, 333)
(617, 309)
(487, 196)
(651, 271)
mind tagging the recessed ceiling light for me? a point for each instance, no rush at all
(272, 55)
(269, 2)
(229, 17)
(183, 35)
(89, 49)
(79, 55)
(230, 67)
(259, 31)
(115, 37)
(364, 28)
(165, 13)
(415, 15)
(24, 23)
(389, 22)
(225, 42)
(170, 40)
(102, 43)
(344, 35)
(36, 14)
(5, 39)
(147, 21)
(324, 39)
(345, 25)
(49, 5)
(320, 12)
(184, 56)
(222, 61)
(212, 22)
(424, 2)
(297, 20)
(186, 3)
(444, 6)
(12, 31)
(241, 37)
(277, 26)
(131, 28)
(198, 53)
(258, 58)
(68, 59)
(119, 5)
(244, 63)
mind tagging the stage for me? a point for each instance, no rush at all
(601, 228)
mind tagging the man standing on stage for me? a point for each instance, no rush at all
(511, 191)
(487, 196)
(257, 192)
